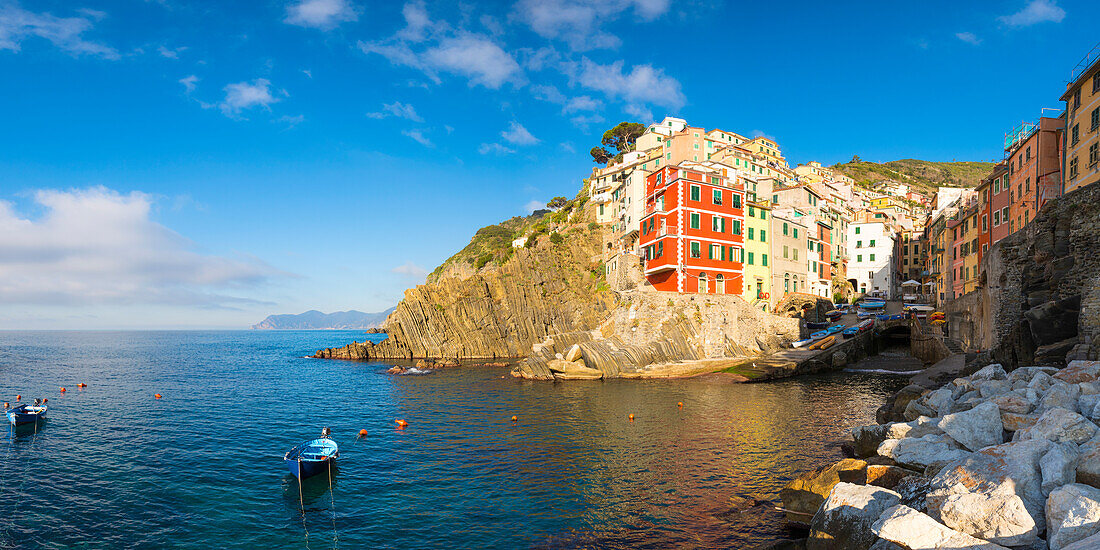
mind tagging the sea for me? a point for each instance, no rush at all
(699, 465)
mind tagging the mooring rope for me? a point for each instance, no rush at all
(332, 500)
(302, 501)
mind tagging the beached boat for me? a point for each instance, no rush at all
(312, 457)
(866, 325)
(802, 343)
(890, 317)
(814, 325)
(872, 305)
(824, 344)
(850, 332)
(835, 329)
(834, 315)
(26, 414)
(866, 315)
(919, 308)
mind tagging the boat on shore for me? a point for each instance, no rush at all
(815, 325)
(26, 414)
(857, 329)
(312, 457)
(890, 317)
(834, 315)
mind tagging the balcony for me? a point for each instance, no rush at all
(601, 197)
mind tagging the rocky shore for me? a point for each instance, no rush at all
(991, 460)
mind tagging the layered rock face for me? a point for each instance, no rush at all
(995, 460)
(549, 288)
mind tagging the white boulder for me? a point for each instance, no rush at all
(976, 428)
(911, 529)
(1059, 425)
(844, 519)
(919, 452)
(1059, 466)
(1073, 514)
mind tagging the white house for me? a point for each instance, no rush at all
(870, 258)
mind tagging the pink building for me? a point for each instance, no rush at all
(998, 204)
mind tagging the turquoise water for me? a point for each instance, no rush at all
(201, 467)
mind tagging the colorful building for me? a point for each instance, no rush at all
(757, 270)
(692, 233)
(1034, 169)
(1082, 149)
(996, 185)
(871, 271)
(788, 263)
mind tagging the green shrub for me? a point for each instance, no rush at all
(483, 260)
(556, 238)
(593, 226)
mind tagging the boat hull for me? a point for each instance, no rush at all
(303, 469)
(18, 418)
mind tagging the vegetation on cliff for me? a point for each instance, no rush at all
(922, 174)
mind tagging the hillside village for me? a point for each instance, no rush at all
(692, 210)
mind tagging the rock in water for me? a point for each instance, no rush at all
(1073, 514)
(574, 353)
(999, 518)
(803, 496)
(868, 438)
(977, 428)
(912, 529)
(844, 520)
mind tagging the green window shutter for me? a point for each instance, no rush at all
(763, 214)
(796, 232)
(736, 200)
(723, 225)
(785, 228)
(694, 192)
(694, 220)
(752, 211)
(751, 231)
(723, 253)
(764, 260)
(660, 248)
(750, 258)
(763, 236)
(710, 252)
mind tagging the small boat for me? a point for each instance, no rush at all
(866, 325)
(919, 308)
(813, 325)
(872, 304)
(850, 332)
(891, 317)
(801, 343)
(26, 414)
(835, 329)
(819, 334)
(866, 314)
(835, 315)
(312, 457)
(824, 344)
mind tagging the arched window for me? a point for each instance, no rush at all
(719, 284)
(703, 283)
(787, 282)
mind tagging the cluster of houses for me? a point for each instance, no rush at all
(698, 211)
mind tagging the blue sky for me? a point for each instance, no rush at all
(204, 164)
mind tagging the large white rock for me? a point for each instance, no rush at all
(1041, 382)
(911, 529)
(999, 518)
(1059, 466)
(844, 519)
(920, 427)
(940, 400)
(1079, 371)
(1086, 405)
(1073, 514)
(1059, 425)
(1014, 402)
(1027, 373)
(1060, 395)
(990, 372)
(1091, 543)
(918, 452)
(1009, 469)
(1088, 465)
(977, 428)
(991, 388)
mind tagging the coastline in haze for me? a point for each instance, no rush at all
(316, 320)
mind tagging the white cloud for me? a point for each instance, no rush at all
(968, 37)
(399, 110)
(18, 24)
(518, 135)
(320, 14)
(533, 205)
(417, 22)
(761, 133)
(411, 270)
(548, 93)
(419, 137)
(308, 73)
(476, 57)
(581, 103)
(642, 84)
(97, 246)
(567, 147)
(486, 148)
(244, 95)
(1036, 11)
(189, 82)
(171, 53)
(291, 121)
(642, 114)
(578, 22)
(585, 121)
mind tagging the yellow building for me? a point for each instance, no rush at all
(1082, 114)
(766, 147)
(968, 233)
(757, 267)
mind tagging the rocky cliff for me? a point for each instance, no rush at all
(507, 299)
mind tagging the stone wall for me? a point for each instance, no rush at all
(1040, 297)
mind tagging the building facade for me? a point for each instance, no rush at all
(871, 270)
(1082, 113)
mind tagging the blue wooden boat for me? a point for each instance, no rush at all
(312, 457)
(819, 334)
(889, 317)
(856, 329)
(866, 314)
(26, 414)
(812, 325)
(850, 331)
(872, 304)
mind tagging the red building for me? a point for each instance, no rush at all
(692, 231)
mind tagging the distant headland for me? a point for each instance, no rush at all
(316, 320)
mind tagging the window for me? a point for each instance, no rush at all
(736, 200)
(715, 251)
(1004, 214)
(763, 214)
(872, 258)
(764, 260)
(785, 229)
(1027, 184)
(1073, 168)
(1096, 83)
(996, 218)
(985, 224)
(694, 192)
(1095, 119)
(859, 257)
(750, 259)
(763, 237)
(1074, 135)
(695, 249)
(694, 220)
(795, 235)
(872, 243)
(736, 227)
(660, 248)
(1094, 154)
(857, 230)
(751, 232)
(859, 244)
(717, 199)
(717, 224)
(714, 181)
(1028, 155)
(785, 250)
(794, 254)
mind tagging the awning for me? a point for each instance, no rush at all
(910, 282)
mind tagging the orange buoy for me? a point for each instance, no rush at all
(631, 417)
(156, 396)
(82, 385)
(19, 398)
(62, 389)
(515, 418)
(362, 433)
(44, 400)
(7, 405)
(680, 404)
(401, 423)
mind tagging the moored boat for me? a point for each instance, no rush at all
(835, 328)
(26, 414)
(312, 457)
(866, 325)
(890, 317)
(850, 332)
(834, 315)
(819, 334)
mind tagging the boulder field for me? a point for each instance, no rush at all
(988, 461)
